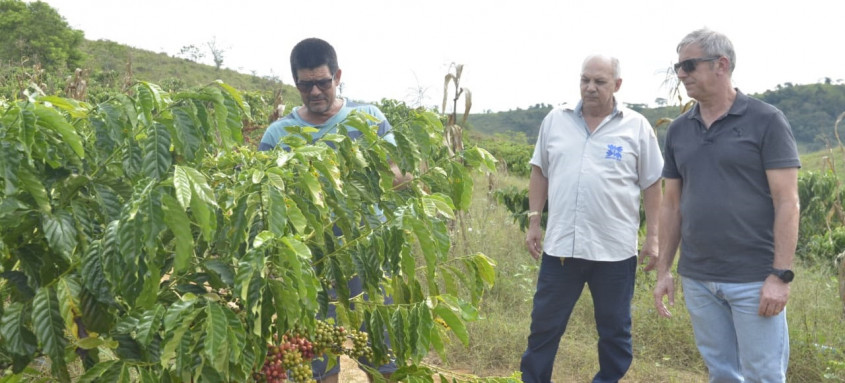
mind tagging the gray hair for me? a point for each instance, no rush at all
(614, 64)
(712, 43)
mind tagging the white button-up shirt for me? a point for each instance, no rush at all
(595, 181)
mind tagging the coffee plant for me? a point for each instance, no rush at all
(141, 241)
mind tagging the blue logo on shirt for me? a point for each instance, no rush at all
(614, 152)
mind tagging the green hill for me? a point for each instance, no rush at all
(811, 109)
(109, 63)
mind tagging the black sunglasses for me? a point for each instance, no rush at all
(306, 86)
(689, 65)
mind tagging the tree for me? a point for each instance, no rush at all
(191, 53)
(216, 52)
(37, 33)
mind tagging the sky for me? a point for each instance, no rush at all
(515, 54)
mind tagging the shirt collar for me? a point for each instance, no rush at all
(738, 108)
(580, 111)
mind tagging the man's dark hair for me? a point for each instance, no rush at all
(312, 53)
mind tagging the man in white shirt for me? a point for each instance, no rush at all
(592, 163)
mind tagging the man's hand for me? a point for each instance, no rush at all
(773, 296)
(649, 251)
(665, 287)
(534, 241)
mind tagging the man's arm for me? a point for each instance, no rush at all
(669, 237)
(538, 191)
(400, 180)
(783, 184)
(651, 202)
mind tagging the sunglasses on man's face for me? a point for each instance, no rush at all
(689, 65)
(306, 86)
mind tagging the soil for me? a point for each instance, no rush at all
(349, 372)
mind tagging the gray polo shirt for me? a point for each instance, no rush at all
(727, 213)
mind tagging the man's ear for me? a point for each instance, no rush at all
(337, 75)
(724, 64)
(618, 84)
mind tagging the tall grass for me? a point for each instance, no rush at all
(664, 349)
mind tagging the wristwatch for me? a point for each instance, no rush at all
(785, 275)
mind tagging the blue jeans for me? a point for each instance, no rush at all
(319, 364)
(559, 286)
(736, 343)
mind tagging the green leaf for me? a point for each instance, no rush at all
(178, 319)
(61, 232)
(485, 267)
(233, 118)
(205, 218)
(455, 324)
(262, 238)
(149, 324)
(109, 202)
(179, 224)
(76, 109)
(182, 184)
(91, 343)
(427, 245)
(50, 119)
(461, 183)
(30, 182)
(398, 334)
(236, 96)
(93, 276)
(130, 241)
(160, 98)
(95, 373)
(68, 290)
(420, 327)
(276, 211)
(146, 102)
(157, 158)
(199, 183)
(17, 337)
(312, 185)
(118, 372)
(479, 157)
(49, 328)
(443, 204)
(9, 168)
(275, 176)
(187, 133)
(215, 345)
(295, 216)
(95, 315)
(336, 138)
(21, 291)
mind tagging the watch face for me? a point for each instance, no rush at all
(787, 276)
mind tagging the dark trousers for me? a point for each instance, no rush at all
(559, 286)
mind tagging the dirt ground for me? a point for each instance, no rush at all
(350, 373)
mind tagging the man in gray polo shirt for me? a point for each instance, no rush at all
(731, 200)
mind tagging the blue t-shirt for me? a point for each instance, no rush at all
(276, 131)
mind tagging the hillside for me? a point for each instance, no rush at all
(109, 63)
(107, 60)
(811, 110)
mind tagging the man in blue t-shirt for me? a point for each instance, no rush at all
(315, 71)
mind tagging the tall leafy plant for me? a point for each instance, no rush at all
(142, 242)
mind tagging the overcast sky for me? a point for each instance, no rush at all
(515, 54)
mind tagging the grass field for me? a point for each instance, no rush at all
(664, 349)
